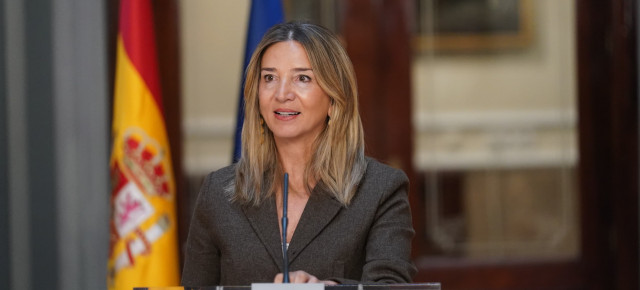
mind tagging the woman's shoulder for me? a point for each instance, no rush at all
(223, 174)
(379, 170)
(382, 179)
(216, 182)
(380, 183)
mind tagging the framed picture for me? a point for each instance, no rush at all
(442, 25)
(473, 25)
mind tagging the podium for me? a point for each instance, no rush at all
(412, 286)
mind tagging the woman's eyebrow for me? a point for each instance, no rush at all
(297, 69)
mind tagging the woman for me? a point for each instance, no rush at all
(349, 218)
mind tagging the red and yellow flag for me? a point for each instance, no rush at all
(143, 250)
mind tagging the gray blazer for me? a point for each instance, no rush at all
(368, 241)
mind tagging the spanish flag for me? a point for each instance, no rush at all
(143, 250)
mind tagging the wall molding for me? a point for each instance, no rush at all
(499, 139)
(460, 140)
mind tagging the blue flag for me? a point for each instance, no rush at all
(263, 15)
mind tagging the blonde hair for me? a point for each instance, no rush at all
(338, 161)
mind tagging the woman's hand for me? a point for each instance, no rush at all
(302, 277)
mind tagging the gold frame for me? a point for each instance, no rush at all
(482, 42)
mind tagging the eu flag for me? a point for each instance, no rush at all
(263, 15)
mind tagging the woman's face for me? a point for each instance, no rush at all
(291, 102)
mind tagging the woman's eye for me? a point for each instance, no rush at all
(268, 78)
(304, 78)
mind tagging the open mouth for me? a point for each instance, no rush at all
(286, 114)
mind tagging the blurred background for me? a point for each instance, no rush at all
(516, 121)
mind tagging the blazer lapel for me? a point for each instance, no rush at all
(319, 211)
(264, 221)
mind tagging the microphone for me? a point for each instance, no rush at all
(285, 259)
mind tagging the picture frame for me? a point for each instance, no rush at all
(443, 25)
(473, 25)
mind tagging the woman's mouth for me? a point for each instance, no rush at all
(286, 115)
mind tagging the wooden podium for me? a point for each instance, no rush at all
(413, 286)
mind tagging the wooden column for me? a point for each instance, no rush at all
(378, 40)
(608, 139)
(624, 142)
(594, 73)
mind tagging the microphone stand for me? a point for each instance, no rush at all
(285, 258)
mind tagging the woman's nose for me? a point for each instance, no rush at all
(285, 92)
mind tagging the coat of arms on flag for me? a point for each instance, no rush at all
(142, 175)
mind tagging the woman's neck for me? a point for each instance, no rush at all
(294, 159)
